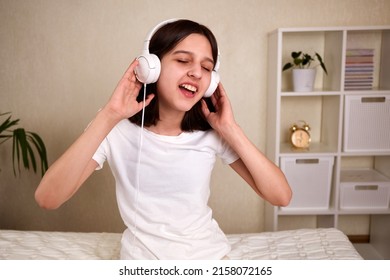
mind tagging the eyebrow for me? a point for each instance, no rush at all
(190, 53)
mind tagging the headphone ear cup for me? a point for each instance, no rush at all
(148, 68)
(213, 84)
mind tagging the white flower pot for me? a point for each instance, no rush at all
(303, 79)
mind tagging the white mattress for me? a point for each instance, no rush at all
(317, 244)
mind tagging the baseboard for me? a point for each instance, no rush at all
(359, 238)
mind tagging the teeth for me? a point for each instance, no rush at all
(189, 87)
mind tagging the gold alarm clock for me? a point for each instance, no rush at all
(300, 135)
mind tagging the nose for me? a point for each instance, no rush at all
(195, 72)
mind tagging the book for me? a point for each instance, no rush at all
(359, 69)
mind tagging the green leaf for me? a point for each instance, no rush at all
(297, 61)
(24, 149)
(32, 156)
(321, 63)
(5, 137)
(40, 146)
(7, 124)
(20, 141)
(295, 55)
(24, 145)
(15, 154)
(304, 60)
(287, 66)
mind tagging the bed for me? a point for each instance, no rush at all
(319, 244)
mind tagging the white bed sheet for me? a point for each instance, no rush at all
(319, 244)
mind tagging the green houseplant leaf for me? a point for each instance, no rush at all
(24, 145)
(303, 60)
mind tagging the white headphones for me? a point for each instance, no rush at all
(149, 65)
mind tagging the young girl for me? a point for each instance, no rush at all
(162, 167)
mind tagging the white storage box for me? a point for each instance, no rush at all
(366, 123)
(310, 180)
(364, 189)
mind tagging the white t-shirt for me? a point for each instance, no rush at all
(166, 214)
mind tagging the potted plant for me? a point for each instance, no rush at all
(22, 145)
(303, 71)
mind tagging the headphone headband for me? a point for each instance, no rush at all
(154, 30)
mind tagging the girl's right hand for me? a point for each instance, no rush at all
(123, 103)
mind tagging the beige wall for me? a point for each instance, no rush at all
(60, 60)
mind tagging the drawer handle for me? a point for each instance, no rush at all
(366, 188)
(307, 161)
(373, 99)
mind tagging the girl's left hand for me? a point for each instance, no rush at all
(223, 117)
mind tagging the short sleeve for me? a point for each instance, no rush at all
(100, 155)
(227, 154)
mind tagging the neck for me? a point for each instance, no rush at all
(169, 125)
(165, 129)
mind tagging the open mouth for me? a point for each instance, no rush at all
(190, 88)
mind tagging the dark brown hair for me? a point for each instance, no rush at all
(163, 41)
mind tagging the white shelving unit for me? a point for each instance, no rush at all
(324, 110)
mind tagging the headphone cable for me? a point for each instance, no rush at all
(140, 144)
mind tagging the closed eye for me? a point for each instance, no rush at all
(182, 61)
(186, 61)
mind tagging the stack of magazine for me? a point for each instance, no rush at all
(359, 69)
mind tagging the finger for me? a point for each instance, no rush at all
(205, 109)
(134, 87)
(221, 90)
(222, 95)
(149, 99)
(214, 100)
(130, 70)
